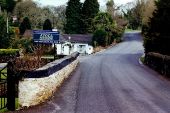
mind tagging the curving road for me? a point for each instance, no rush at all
(113, 81)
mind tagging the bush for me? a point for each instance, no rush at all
(117, 33)
(104, 21)
(100, 38)
(107, 28)
(24, 43)
(29, 63)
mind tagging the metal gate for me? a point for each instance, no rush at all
(8, 87)
(3, 87)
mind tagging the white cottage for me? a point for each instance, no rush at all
(74, 43)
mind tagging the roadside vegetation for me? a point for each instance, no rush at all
(152, 17)
(157, 38)
(107, 26)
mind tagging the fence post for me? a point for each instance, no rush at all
(10, 87)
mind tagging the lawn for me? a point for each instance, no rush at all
(131, 30)
(5, 109)
(142, 59)
(48, 57)
(2, 100)
(3, 71)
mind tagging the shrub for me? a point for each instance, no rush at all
(24, 43)
(100, 37)
(29, 63)
(103, 22)
(117, 33)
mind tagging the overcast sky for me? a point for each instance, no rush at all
(61, 2)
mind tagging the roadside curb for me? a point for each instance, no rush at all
(111, 46)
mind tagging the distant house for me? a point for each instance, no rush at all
(70, 43)
(74, 43)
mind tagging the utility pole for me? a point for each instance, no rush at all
(7, 24)
(0, 9)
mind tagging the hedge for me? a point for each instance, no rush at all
(8, 54)
(158, 62)
(4, 52)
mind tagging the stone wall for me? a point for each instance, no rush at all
(33, 91)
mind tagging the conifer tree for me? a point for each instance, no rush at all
(7, 5)
(24, 25)
(47, 25)
(89, 11)
(73, 10)
(157, 37)
(10, 4)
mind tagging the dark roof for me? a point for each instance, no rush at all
(28, 33)
(77, 38)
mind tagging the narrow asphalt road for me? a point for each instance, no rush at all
(112, 81)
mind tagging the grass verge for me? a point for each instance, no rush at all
(5, 109)
(142, 59)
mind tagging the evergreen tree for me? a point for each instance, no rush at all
(10, 4)
(104, 22)
(7, 5)
(157, 37)
(24, 25)
(100, 38)
(73, 10)
(89, 11)
(2, 4)
(47, 25)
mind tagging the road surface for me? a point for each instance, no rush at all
(112, 81)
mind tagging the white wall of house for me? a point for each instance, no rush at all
(68, 48)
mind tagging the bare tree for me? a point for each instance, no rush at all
(148, 11)
(112, 8)
(38, 15)
(28, 9)
(60, 17)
